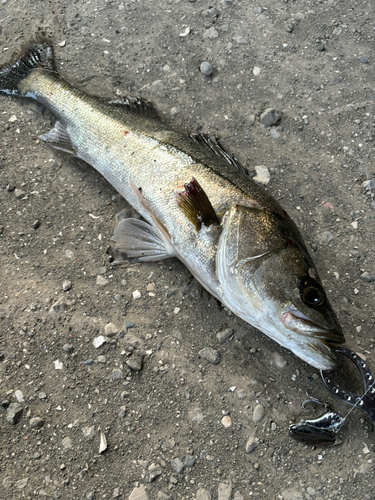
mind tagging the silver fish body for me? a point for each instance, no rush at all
(252, 258)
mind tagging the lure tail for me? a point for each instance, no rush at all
(38, 55)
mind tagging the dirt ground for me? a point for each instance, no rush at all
(313, 62)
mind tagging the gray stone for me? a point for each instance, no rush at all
(36, 423)
(67, 443)
(67, 285)
(189, 461)
(258, 413)
(269, 117)
(238, 496)
(154, 471)
(240, 39)
(251, 444)
(210, 33)
(224, 491)
(369, 185)
(14, 413)
(366, 276)
(292, 494)
(224, 335)
(89, 432)
(310, 491)
(116, 493)
(110, 329)
(206, 68)
(21, 484)
(211, 355)
(56, 495)
(19, 396)
(7, 483)
(324, 237)
(68, 348)
(364, 60)
(90, 495)
(128, 324)
(279, 361)
(102, 359)
(87, 362)
(117, 374)
(42, 395)
(19, 193)
(203, 494)
(177, 465)
(101, 281)
(138, 493)
(135, 362)
(122, 412)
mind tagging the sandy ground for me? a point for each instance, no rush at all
(313, 62)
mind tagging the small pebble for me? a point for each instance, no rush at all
(256, 71)
(251, 444)
(138, 493)
(36, 423)
(258, 413)
(174, 112)
(42, 395)
(102, 359)
(19, 193)
(226, 421)
(110, 329)
(129, 324)
(101, 281)
(240, 39)
(203, 494)
(116, 493)
(89, 433)
(19, 396)
(122, 412)
(87, 362)
(21, 484)
(206, 68)
(135, 362)
(324, 238)
(279, 361)
(67, 443)
(177, 465)
(117, 374)
(224, 491)
(269, 117)
(136, 294)
(69, 254)
(320, 47)
(67, 285)
(90, 495)
(263, 175)
(364, 60)
(211, 33)
(211, 355)
(68, 348)
(224, 335)
(36, 224)
(14, 413)
(99, 341)
(58, 364)
(189, 461)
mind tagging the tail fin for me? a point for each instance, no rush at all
(38, 55)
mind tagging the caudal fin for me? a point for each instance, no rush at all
(37, 55)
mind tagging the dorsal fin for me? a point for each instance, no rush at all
(217, 147)
(136, 105)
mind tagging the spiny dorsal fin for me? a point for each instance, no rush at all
(217, 147)
(136, 105)
(196, 206)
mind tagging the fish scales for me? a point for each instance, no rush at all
(249, 255)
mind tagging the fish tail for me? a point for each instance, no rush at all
(37, 55)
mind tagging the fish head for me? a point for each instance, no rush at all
(269, 280)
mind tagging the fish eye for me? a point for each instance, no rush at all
(313, 294)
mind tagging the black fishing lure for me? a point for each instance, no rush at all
(322, 431)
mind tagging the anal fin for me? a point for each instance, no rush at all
(58, 138)
(138, 241)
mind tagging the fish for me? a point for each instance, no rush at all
(197, 203)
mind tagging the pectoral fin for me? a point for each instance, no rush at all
(138, 241)
(58, 138)
(196, 206)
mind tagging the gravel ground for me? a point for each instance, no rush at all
(177, 425)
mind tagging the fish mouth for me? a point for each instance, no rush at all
(314, 339)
